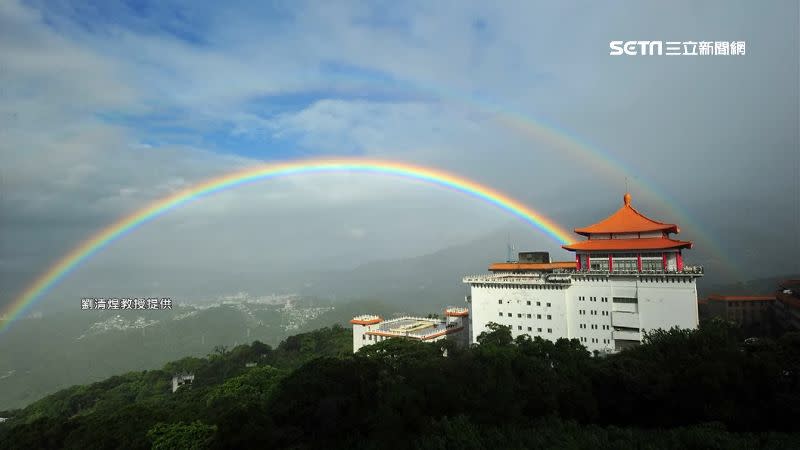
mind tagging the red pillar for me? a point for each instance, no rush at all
(680, 261)
(588, 262)
(664, 260)
(639, 262)
(577, 261)
(610, 263)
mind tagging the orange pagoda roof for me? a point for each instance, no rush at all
(627, 220)
(660, 243)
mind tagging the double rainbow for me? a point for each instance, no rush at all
(106, 236)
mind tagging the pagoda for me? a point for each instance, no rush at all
(629, 241)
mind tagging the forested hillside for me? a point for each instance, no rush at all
(680, 389)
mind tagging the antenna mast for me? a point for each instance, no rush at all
(509, 249)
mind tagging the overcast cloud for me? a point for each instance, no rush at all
(106, 108)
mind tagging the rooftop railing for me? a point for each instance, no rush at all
(540, 277)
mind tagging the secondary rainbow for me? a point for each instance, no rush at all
(595, 158)
(98, 241)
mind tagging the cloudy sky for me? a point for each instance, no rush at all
(107, 106)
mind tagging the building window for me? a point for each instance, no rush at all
(530, 328)
(519, 316)
(363, 337)
(549, 317)
(529, 303)
(538, 316)
(538, 303)
(548, 305)
(501, 314)
(500, 302)
(529, 316)
(519, 327)
(549, 330)
(510, 315)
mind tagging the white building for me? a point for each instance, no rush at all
(181, 379)
(370, 329)
(627, 277)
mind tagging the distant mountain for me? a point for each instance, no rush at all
(434, 280)
(427, 281)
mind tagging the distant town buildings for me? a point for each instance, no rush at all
(628, 276)
(758, 315)
(752, 312)
(370, 329)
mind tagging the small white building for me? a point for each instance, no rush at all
(627, 277)
(181, 379)
(370, 329)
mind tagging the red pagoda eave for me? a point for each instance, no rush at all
(627, 244)
(627, 220)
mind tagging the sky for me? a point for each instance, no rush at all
(107, 106)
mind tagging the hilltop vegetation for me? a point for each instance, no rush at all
(681, 388)
(42, 356)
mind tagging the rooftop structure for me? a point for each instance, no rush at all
(632, 239)
(369, 329)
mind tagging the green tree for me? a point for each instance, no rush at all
(498, 335)
(190, 436)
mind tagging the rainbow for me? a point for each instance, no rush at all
(594, 157)
(116, 230)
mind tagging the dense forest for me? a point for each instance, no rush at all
(704, 388)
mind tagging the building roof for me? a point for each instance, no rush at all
(455, 311)
(627, 220)
(741, 298)
(660, 243)
(415, 328)
(366, 319)
(517, 266)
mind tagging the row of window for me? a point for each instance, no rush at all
(593, 299)
(593, 312)
(626, 255)
(500, 302)
(596, 340)
(594, 326)
(519, 316)
(538, 330)
(627, 265)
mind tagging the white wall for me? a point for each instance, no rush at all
(486, 308)
(660, 304)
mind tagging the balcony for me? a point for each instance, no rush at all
(687, 270)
